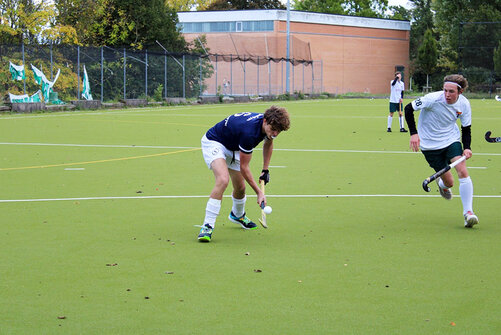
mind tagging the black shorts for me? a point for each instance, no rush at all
(438, 159)
(394, 107)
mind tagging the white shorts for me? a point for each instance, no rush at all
(213, 150)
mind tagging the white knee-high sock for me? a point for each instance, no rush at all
(466, 192)
(390, 119)
(238, 206)
(212, 211)
(401, 119)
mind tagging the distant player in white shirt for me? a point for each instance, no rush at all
(397, 89)
(439, 138)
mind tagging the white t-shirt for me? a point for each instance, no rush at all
(437, 127)
(396, 91)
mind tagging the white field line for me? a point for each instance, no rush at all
(129, 146)
(145, 197)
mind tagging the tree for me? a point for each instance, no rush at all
(135, 23)
(244, 4)
(422, 20)
(428, 54)
(497, 59)
(32, 22)
(79, 14)
(449, 14)
(400, 13)
(365, 8)
(187, 5)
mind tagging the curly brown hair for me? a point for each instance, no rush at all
(277, 118)
(458, 79)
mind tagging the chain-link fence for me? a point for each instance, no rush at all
(120, 74)
(476, 44)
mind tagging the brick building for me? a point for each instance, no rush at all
(332, 53)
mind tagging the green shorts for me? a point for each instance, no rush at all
(438, 159)
(394, 107)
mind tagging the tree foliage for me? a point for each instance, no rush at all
(244, 4)
(428, 53)
(32, 22)
(366, 8)
(497, 59)
(133, 23)
(449, 14)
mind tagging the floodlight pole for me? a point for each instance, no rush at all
(287, 69)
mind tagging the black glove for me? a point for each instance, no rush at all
(265, 175)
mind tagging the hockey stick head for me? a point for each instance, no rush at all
(425, 185)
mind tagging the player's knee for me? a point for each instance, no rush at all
(222, 182)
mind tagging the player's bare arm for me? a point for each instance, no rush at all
(247, 174)
(267, 152)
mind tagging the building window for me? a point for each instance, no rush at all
(228, 26)
(239, 26)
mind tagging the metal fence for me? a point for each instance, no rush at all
(116, 74)
(476, 44)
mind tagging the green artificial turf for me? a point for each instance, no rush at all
(98, 235)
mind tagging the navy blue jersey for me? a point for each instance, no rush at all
(242, 131)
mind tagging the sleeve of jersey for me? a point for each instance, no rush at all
(466, 116)
(245, 146)
(466, 137)
(409, 118)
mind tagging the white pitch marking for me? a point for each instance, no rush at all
(130, 146)
(228, 196)
(477, 167)
(74, 169)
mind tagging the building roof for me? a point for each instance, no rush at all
(295, 16)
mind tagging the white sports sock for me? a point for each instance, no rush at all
(212, 211)
(390, 119)
(466, 193)
(238, 206)
(401, 119)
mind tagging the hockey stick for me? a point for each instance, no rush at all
(262, 220)
(490, 139)
(439, 173)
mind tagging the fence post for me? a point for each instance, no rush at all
(303, 78)
(125, 79)
(282, 76)
(321, 76)
(200, 80)
(102, 74)
(231, 74)
(146, 73)
(165, 73)
(269, 77)
(184, 77)
(51, 76)
(24, 81)
(312, 77)
(216, 76)
(244, 80)
(78, 72)
(257, 93)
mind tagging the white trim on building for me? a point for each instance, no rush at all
(295, 16)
